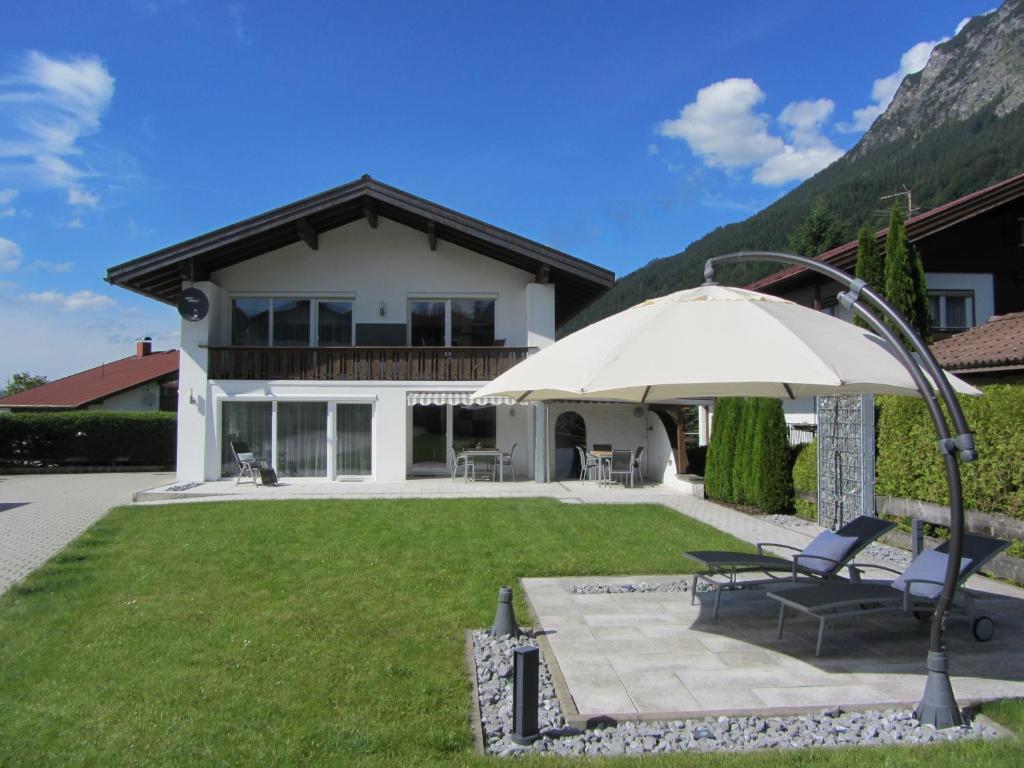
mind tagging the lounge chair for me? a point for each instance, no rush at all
(915, 591)
(247, 462)
(823, 558)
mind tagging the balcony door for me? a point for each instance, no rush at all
(451, 322)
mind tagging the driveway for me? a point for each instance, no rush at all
(41, 514)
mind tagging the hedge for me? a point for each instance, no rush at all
(909, 465)
(96, 438)
(805, 467)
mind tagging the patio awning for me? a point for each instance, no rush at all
(453, 398)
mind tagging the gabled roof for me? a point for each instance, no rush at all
(160, 274)
(918, 227)
(80, 389)
(999, 343)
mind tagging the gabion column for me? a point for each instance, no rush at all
(846, 458)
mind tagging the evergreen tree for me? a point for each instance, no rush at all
(771, 477)
(20, 382)
(870, 265)
(743, 487)
(820, 231)
(900, 289)
(922, 322)
(721, 450)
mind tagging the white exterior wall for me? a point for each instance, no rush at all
(142, 398)
(390, 264)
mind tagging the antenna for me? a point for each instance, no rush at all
(911, 210)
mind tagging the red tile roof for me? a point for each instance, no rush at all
(98, 383)
(999, 343)
(918, 227)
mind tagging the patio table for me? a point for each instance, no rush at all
(484, 453)
(604, 458)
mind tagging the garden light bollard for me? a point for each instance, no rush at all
(505, 617)
(525, 686)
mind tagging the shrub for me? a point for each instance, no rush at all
(743, 490)
(88, 438)
(770, 485)
(805, 467)
(909, 464)
(722, 449)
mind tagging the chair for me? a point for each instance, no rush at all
(587, 463)
(638, 463)
(822, 558)
(506, 459)
(622, 465)
(465, 463)
(915, 591)
(247, 462)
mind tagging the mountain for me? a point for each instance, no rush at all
(954, 127)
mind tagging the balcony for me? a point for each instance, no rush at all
(363, 363)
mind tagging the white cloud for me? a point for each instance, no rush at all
(652, 149)
(10, 255)
(913, 60)
(70, 302)
(6, 198)
(52, 266)
(46, 107)
(722, 128)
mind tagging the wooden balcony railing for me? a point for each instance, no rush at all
(363, 363)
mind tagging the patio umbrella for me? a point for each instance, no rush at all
(711, 341)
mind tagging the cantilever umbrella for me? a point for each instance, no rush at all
(711, 341)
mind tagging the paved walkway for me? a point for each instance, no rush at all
(41, 514)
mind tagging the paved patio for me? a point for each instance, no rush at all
(656, 656)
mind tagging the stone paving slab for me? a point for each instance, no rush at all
(640, 660)
(41, 514)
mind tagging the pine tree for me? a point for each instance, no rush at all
(772, 480)
(899, 290)
(819, 232)
(922, 318)
(870, 265)
(721, 450)
(743, 486)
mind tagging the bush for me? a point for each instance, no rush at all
(805, 467)
(909, 464)
(743, 490)
(95, 438)
(770, 487)
(722, 449)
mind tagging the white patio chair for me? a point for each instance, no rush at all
(505, 460)
(587, 463)
(465, 463)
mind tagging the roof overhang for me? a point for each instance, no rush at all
(160, 274)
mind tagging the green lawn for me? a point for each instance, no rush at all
(312, 633)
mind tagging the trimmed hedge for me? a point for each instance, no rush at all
(909, 465)
(805, 467)
(88, 438)
(748, 458)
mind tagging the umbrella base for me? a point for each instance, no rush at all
(938, 706)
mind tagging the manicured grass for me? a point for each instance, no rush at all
(311, 633)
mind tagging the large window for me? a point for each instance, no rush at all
(302, 439)
(249, 423)
(951, 310)
(474, 427)
(451, 322)
(291, 322)
(355, 439)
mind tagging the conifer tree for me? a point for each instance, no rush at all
(743, 488)
(870, 265)
(721, 450)
(772, 481)
(899, 288)
(922, 318)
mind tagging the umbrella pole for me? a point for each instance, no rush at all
(938, 705)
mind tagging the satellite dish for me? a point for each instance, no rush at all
(193, 304)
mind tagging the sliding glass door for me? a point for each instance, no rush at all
(249, 423)
(302, 439)
(354, 425)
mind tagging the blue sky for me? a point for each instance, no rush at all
(619, 132)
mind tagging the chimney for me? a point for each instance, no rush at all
(143, 347)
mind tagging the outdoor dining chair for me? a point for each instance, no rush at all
(638, 463)
(465, 463)
(507, 460)
(914, 591)
(822, 558)
(587, 463)
(622, 465)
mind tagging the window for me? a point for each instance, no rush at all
(474, 427)
(247, 423)
(451, 322)
(355, 439)
(951, 310)
(291, 322)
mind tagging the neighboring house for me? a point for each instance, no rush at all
(146, 381)
(346, 331)
(992, 353)
(973, 255)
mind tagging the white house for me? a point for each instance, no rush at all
(341, 335)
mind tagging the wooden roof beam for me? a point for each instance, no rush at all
(544, 274)
(370, 212)
(308, 234)
(432, 235)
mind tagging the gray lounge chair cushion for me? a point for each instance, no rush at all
(931, 567)
(825, 552)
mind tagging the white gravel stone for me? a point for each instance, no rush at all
(830, 727)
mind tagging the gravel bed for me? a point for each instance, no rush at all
(187, 486)
(640, 586)
(830, 727)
